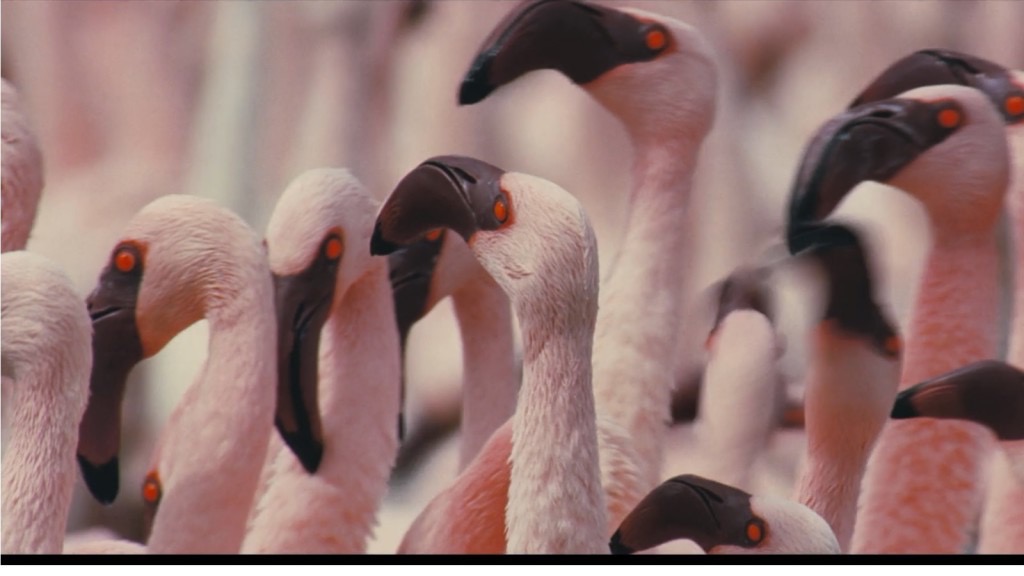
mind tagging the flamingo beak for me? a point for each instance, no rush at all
(871, 142)
(688, 506)
(303, 302)
(116, 349)
(412, 271)
(933, 67)
(580, 40)
(453, 192)
(990, 393)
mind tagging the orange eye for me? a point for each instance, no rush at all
(500, 210)
(1015, 105)
(893, 345)
(949, 118)
(434, 234)
(124, 260)
(151, 488)
(655, 39)
(332, 250)
(755, 533)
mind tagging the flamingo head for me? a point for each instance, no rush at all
(915, 142)
(176, 263)
(318, 218)
(721, 519)
(530, 235)
(631, 61)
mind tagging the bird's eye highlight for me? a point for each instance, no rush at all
(500, 210)
(151, 490)
(1014, 105)
(755, 531)
(125, 260)
(333, 248)
(950, 118)
(655, 39)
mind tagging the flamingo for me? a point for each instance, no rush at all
(915, 143)
(325, 278)
(536, 241)
(1002, 527)
(22, 176)
(722, 519)
(852, 378)
(441, 265)
(182, 258)
(989, 392)
(658, 77)
(743, 348)
(46, 362)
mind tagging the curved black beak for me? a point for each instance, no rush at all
(933, 67)
(990, 393)
(303, 302)
(116, 349)
(580, 40)
(871, 142)
(411, 270)
(454, 192)
(850, 287)
(688, 506)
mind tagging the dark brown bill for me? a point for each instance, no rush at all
(688, 506)
(454, 192)
(871, 142)
(303, 302)
(933, 67)
(412, 271)
(116, 349)
(580, 40)
(989, 392)
(744, 289)
(850, 289)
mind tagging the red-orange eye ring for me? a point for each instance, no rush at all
(333, 248)
(950, 118)
(434, 234)
(893, 345)
(500, 210)
(1014, 105)
(151, 490)
(125, 260)
(755, 531)
(655, 39)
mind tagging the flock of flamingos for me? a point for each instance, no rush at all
(567, 459)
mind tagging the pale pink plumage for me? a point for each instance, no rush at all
(22, 176)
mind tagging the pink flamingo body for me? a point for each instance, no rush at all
(22, 176)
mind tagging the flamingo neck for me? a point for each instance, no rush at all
(1015, 210)
(638, 323)
(490, 376)
(39, 469)
(924, 482)
(335, 510)
(850, 390)
(555, 499)
(211, 480)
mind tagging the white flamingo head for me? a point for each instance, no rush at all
(530, 235)
(633, 62)
(316, 242)
(180, 259)
(722, 520)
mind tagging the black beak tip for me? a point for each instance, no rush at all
(903, 408)
(309, 452)
(617, 547)
(474, 88)
(378, 245)
(103, 480)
